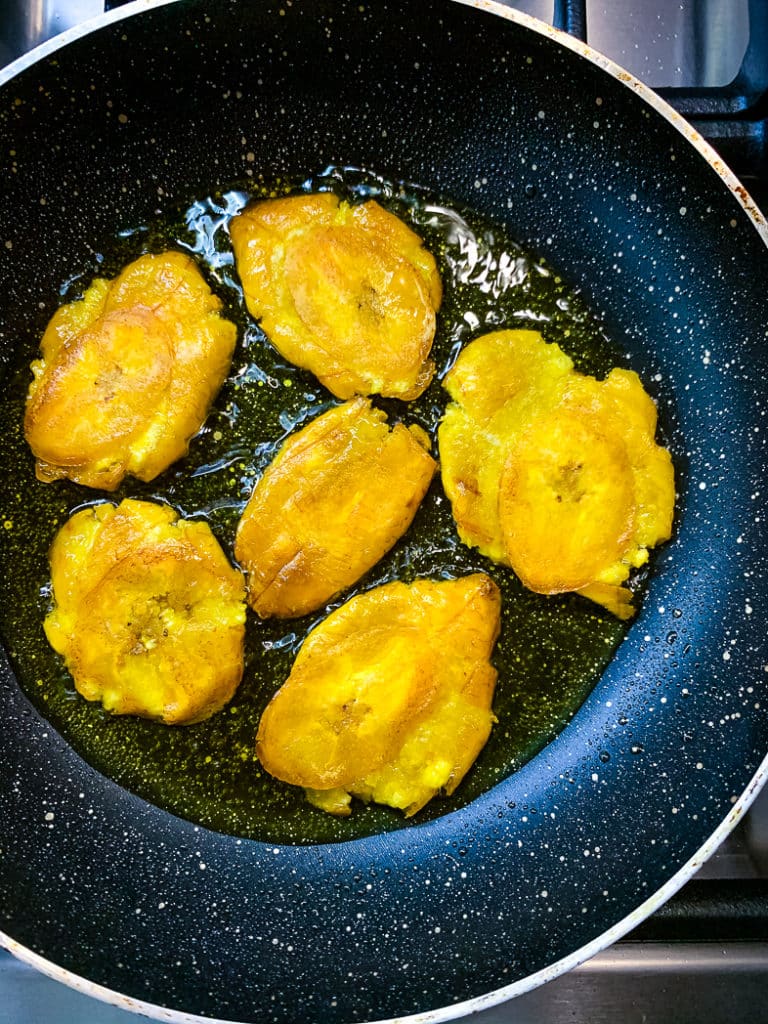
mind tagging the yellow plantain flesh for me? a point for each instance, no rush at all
(148, 613)
(127, 374)
(389, 698)
(552, 472)
(346, 292)
(335, 499)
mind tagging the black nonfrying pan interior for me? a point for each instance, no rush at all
(579, 167)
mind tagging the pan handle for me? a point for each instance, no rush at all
(571, 17)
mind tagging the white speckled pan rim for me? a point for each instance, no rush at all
(741, 805)
(456, 1010)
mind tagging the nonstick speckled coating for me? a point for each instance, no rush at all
(578, 167)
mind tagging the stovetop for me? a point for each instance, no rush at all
(704, 955)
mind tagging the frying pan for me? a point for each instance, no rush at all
(583, 165)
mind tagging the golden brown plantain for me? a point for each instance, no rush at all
(347, 292)
(389, 699)
(148, 613)
(552, 472)
(335, 499)
(127, 374)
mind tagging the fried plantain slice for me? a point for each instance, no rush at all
(335, 499)
(498, 381)
(127, 374)
(552, 472)
(148, 613)
(347, 292)
(565, 479)
(389, 699)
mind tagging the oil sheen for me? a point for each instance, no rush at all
(551, 650)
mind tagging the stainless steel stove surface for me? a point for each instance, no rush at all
(704, 956)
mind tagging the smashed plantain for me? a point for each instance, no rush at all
(335, 499)
(389, 699)
(552, 472)
(127, 374)
(347, 292)
(148, 613)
